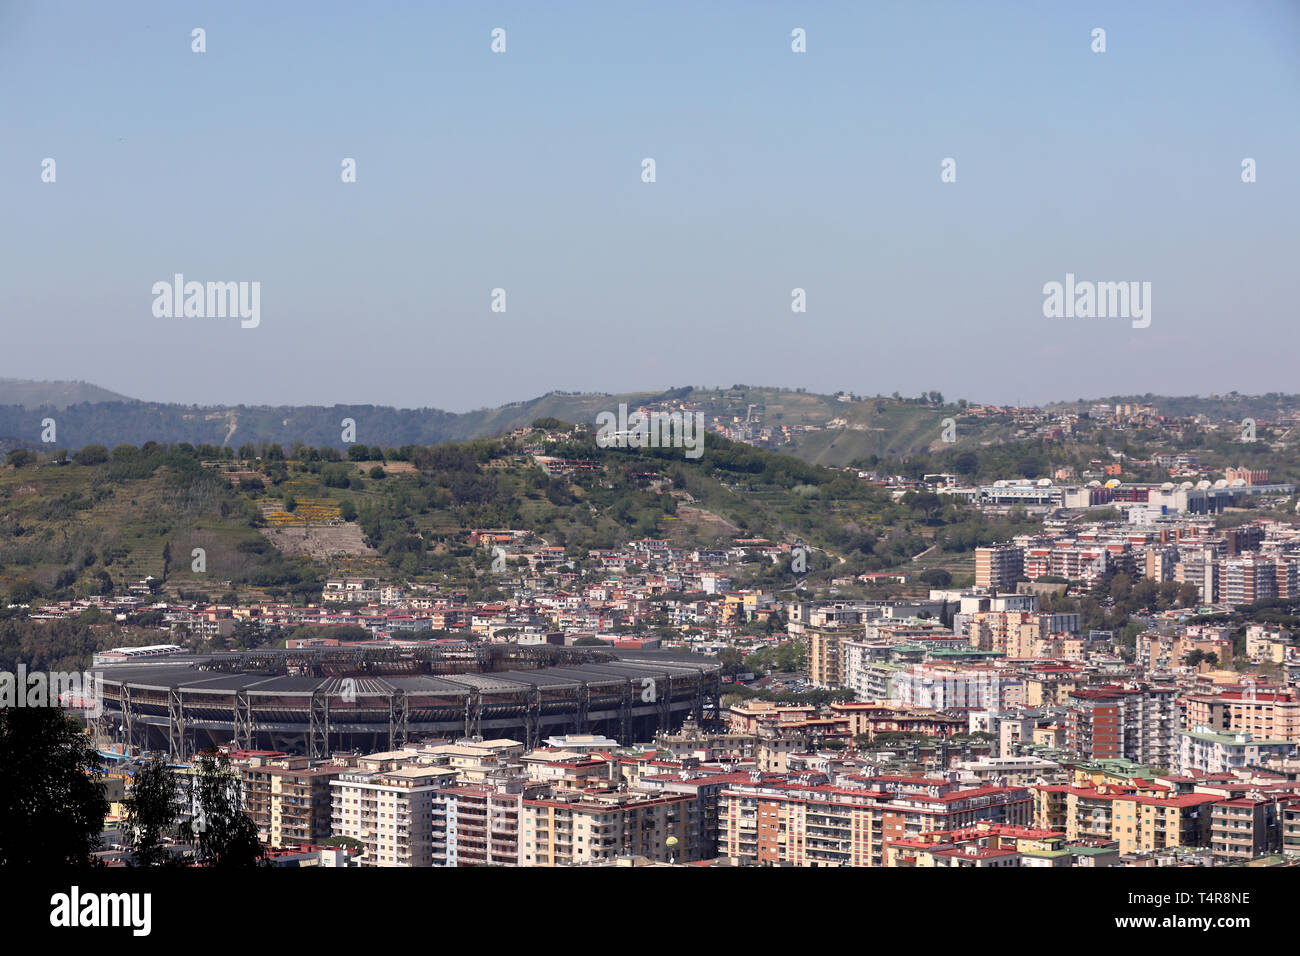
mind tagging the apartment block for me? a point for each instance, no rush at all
(391, 813)
(1248, 579)
(988, 846)
(477, 824)
(1162, 651)
(804, 821)
(941, 687)
(1137, 722)
(1146, 823)
(1270, 644)
(289, 799)
(1245, 829)
(998, 568)
(1204, 751)
(825, 655)
(1136, 821)
(576, 828)
(1290, 828)
(1271, 714)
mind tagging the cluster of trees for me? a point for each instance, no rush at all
(64, 645)
(786, 658)
(52, 806)
(1110, 602)
(904, 740)
(266, 567)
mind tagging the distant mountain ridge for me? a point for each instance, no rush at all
(1273, 406)
(821, 429)
(30, 394)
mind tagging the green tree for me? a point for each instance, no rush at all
(927, 503)
(731, 660)
(151, 811)
(23, 592)
(91, 455)
(52, 804)
(247, 635)
(936, 577)
(1146, 593)
(225, 834)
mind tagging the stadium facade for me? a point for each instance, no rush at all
(318, 701)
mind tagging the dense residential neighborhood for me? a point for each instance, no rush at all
(978, 725)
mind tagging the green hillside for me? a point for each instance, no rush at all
(277, 526)
(76, 529)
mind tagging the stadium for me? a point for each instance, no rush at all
(321, 700)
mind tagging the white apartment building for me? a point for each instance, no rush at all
(1204, 751)
(390, 813)
(944, 688)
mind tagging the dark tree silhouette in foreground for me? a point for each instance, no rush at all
(151, 812)
(52, 801)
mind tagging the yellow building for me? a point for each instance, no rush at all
(1265, 714)
(1049, 691)
(576, 828)
(826, 657)
(1136, 821)
(1053, 736)
(1156, 823)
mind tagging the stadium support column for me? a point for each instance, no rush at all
(711, 689)
(101, 728)
(533, 717)
(625, 714)
(715, 698)
(318, 726)
(128, 714)
(665, 703)
(243, 721)
(398, 719)
(584, 708)
(175, 724)
(474, 714)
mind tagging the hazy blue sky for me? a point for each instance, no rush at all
(775, 170)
